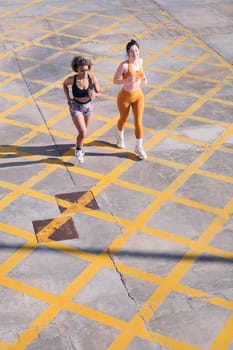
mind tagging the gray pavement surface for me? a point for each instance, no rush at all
(210, 20)
(117, 253)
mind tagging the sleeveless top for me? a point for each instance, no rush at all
(131, 71)
(77, 92)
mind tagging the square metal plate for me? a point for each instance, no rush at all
(86, 199)
(59, 232)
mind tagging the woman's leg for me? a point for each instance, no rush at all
(81, 116)
(123, 107)
(138, 108)
(87, 119)
(80, 124)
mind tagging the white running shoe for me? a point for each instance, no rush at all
(79, 155)
(120, 140)
(141, 154)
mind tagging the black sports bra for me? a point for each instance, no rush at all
(77, 92)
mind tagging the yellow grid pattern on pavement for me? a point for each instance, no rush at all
(22, 31)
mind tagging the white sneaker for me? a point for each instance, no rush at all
(120, 140)
(79, 155)
(141, 154)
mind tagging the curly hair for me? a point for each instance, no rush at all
(130, 44)
(79, 61)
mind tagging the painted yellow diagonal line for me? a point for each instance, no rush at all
(184, 265)
(225, 336)
(62, 302)
(72, 209)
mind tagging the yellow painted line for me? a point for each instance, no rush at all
(51, 199)
(201, 78)
(8, 199)
(152, 304)
(71, 209)
(35, 328)
(221, 101)
(172, 44)
(135, 187)
(200, 160)
(11, 109)
(183, 266)
(13, 77)
(16, 258)
(39, 129)
(215, 176)
(19, 8)
(203, 296)
(183, 116)
(89, 257)
(84, 283)
(60, 219)
(112, 178)
(222, 253)
(177, 287)
(24, 288)
(208, 121)
(176, 75)
(156, 338)
(197, 205)
(52, 310)
(225, 337)
(182, 92)
(15, 231)
(54, 225)
(197, 104)
(29, 22)
(10, 97)
(95, 315)
(3, 345)
(46, 316)
(35, 130)
(169, 163)
(201, 43)
(217, 224)
(136, 325)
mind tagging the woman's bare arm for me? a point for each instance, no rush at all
(117, 79)
(66, 83)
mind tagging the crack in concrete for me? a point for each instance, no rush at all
(122, 280)
(112, 213)
(129, 294)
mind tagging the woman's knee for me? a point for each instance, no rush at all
(82, 132)
(138, 130)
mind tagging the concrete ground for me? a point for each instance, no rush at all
(117, 253)
(209, 20)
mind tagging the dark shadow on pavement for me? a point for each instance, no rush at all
(128, 155)
(47, 150)
(126, 253)
(42, 161)
(10, 151)
(100, 143)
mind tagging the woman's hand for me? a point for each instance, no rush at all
(131, 79)
(69, 101)
(91, 93)
(144, 80)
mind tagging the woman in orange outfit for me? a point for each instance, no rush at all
(130, 74)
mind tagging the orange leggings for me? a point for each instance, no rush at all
(125, 99)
